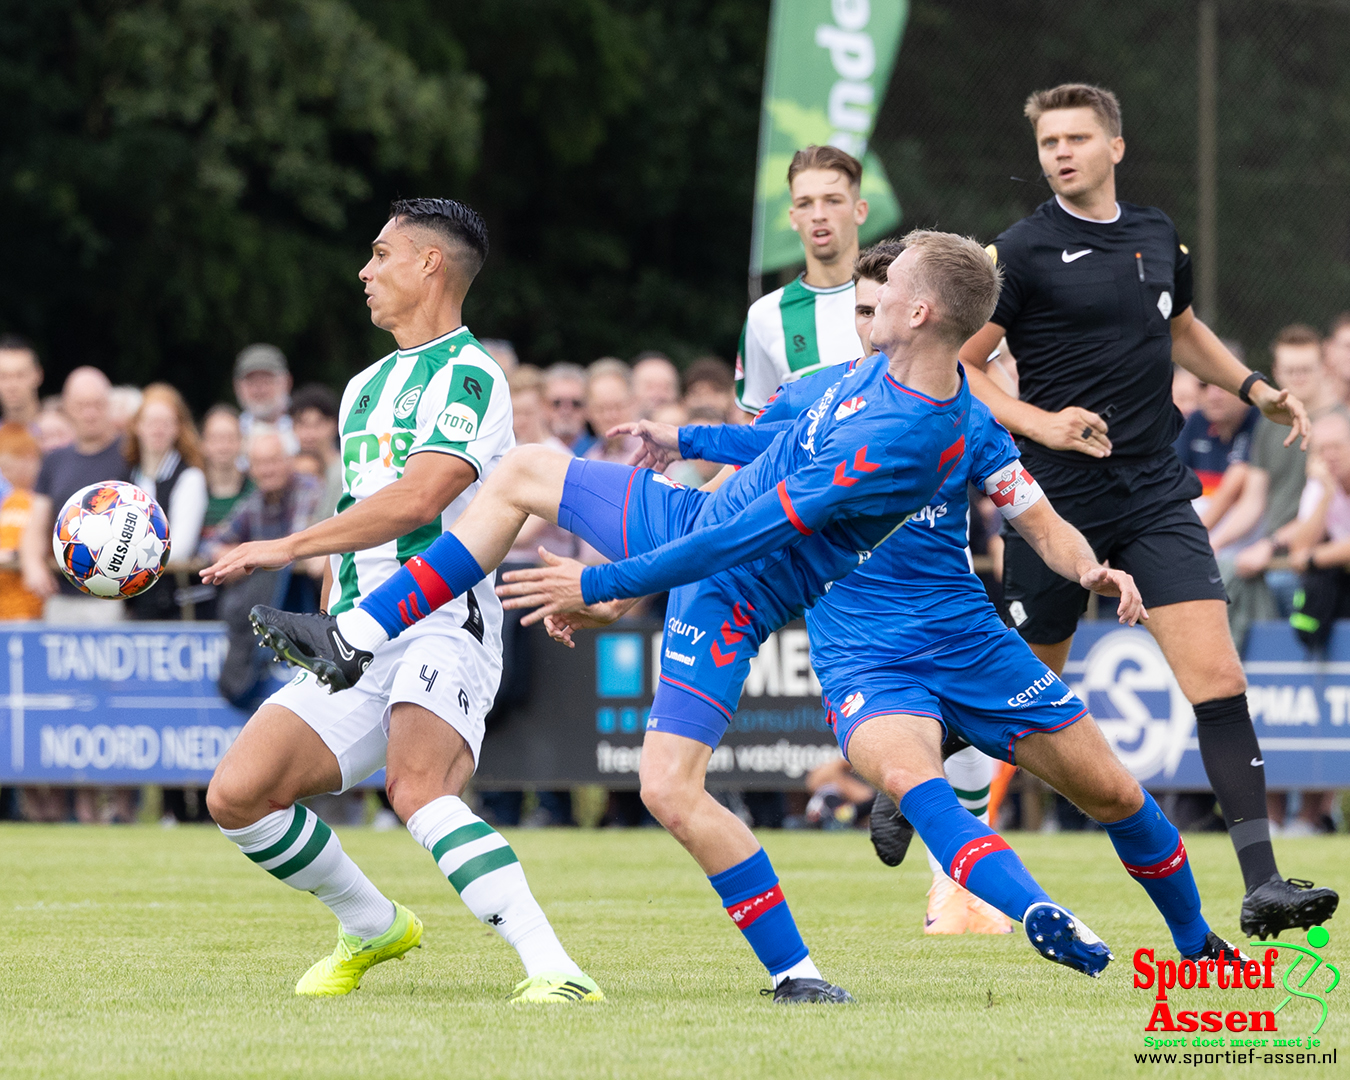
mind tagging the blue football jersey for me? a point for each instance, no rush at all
(829, 488)
(916, 587)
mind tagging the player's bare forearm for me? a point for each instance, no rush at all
(325, 587)
(426, 488)
(1017, 416)
(1074, 428)
(1060, 546)
(1065, 550)
(1198, 349)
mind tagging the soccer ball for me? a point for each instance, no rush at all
(111, 540)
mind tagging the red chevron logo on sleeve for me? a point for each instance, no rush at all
(730, 636)
(860, 464)
(720, 658)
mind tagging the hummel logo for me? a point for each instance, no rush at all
(344, 650)
(1076, 255)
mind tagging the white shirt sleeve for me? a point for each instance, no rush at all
(466, 411)
(758, 372)
(186, 512)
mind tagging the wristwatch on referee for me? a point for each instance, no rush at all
(1245, 390)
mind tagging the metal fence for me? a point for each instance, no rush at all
(1237, 124)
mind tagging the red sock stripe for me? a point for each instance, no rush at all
(433, 586)
(747, 911)
(972, 852)
(1165, 868)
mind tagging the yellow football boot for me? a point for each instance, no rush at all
(341, 972)
(554, 986)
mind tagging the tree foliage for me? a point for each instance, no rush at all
(182, 177)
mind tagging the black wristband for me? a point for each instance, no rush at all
(1245, 390)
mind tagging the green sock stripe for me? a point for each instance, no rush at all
(460, 836)
(978, 810)
(969, 795)
(318, 840)
(476, 867)
(292, 834)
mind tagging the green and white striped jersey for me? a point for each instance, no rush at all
(445, 397)
(792, 332)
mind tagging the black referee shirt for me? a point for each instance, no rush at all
(1087, 307)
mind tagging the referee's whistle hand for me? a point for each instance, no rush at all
(1074, 429)
(1283, 408)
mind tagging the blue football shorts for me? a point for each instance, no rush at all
(986, 686)
(713, 628)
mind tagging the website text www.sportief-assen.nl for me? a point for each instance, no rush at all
(1250, 1056)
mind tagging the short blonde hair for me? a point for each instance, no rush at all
(1076, 96)
(958, 277)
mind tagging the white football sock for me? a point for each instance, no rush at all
(296, 847)
(489, 879)
(802, 969)
(361, 629)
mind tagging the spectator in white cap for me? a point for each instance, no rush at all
(262, 386)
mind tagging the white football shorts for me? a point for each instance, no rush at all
(441, 667)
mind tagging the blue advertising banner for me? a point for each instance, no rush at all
(1300, 706)
(135, 704)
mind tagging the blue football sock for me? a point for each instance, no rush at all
(750, 893)
(424, 583)
(975, 856)
(1151, 849)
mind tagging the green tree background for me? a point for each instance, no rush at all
(179, 178)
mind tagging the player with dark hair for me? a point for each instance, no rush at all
(1096, 305)
(422, 430)
(739, 562)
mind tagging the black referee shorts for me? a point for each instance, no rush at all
(1138, 517)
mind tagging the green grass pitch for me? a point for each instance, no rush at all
(141, 952)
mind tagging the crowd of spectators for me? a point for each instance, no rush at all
(1279, 519)
(269, 463)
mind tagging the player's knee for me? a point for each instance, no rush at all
(898, 779)
(231, 801)
(670, 801)
(410, 791)
(1117, 799)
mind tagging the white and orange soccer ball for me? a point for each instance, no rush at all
(111, 540)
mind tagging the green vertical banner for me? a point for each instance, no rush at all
(828, 65)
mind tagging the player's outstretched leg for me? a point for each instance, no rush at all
(277, 759)
(1077, 762)
(529, 480)
(900, 754)
(428, 760)
(673, 769)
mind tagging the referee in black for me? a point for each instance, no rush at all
(1096, 305)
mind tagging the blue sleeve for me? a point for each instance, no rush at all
(845, 471)
(992, 447)
(731, 444)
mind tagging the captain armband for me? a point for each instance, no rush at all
(1013, 490)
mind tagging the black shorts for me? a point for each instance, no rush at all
(1138, 517)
